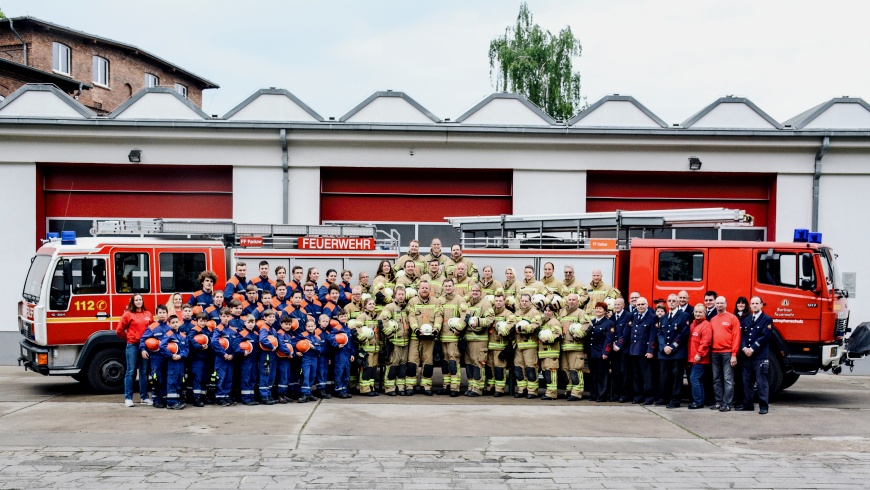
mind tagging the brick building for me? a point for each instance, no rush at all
(103, 73)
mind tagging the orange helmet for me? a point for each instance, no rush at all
(201, 339)
(303, 345)
(172, 347)
(273, 341)
(246, 347)
(152, 344)
(289, 347)
(341, 338)
(333, 323)
(225, 343)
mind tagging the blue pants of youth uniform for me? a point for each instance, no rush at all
(341, 367)
(249, 372)
(199, 372)
(322, 373)
(268, 370)
(174, 382)
(134, 361)
(224, 370)
(295, 376)
(309, 374)
(158, 377)
(283, 376)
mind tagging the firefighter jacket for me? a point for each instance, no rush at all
(318, 346)
(463, 285)
(599, 293)
(417, 259)
(498, 342)
(482, 310)
(227, 332)
(201, 299)
(450, 267)
(510, 288)
(343, 353)
(371, 345)
(452, 306)
(489, 288)
(551, 350)
(195, 349)
(436, 283)
(177, 338)
(265, 331)
(527, 338)
(353, 310)
(251, 336)
(574, 287)
(285, 343)
(156, 330)
(531, 288)
(566, 318)
(408, 282)
(396, 312)
(422, 311)
(430, 257)
(264, 284)
(553, 285)
(235, 288)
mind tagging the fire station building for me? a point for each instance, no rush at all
(390, 161)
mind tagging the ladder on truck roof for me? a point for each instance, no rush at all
(232, 234)
(573, 231)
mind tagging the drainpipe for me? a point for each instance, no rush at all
(817, 175)
(285, 167)
(23, 44)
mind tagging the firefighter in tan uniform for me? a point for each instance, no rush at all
(534, 288)
(528, 320)
(509, 288)
(461, 281)
(414, 256)
(453, 309)
(383, 286)
(548, 351)
(393, 323)
(424, 320)
(479, 317)
(435, 277)
(570, 284)
(354, 308)
(500, 345)
(488, 284)
(553, 285)
(575, 324)
(435, 252)
(408, 278)
(598, 291)
(455, 258)
(368, 346)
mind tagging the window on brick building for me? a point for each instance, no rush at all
(60, 58)
(101, 71)
(151, 80)
(181, 89)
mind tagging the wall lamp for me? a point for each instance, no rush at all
(694, 163)
(135, 156)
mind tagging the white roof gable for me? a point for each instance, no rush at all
(42, 100)
(158, 103)
(617, 111)
(732, 113)
(272, 105)
(389, 107)
(842, 116)
(506, 109)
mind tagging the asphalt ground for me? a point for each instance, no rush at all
(54, 433)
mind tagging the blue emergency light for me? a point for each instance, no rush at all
(52, 235)
(67, 238)
(815, 238)
(801, 235)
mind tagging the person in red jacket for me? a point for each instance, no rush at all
(700, 340)
(726, 343)
(132, 325)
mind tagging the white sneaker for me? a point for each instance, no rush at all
(128, 402)
(147, 401)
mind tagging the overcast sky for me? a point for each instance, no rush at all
(675, 57)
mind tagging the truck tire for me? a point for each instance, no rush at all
(106, 371)
(789, 379)
(776, 375)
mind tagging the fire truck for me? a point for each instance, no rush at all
(639, 251)
(78, 287)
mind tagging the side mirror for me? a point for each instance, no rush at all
(808, 285)
(67, 274)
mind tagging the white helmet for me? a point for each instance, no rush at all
(558, 302)
(510, 300)
(388, 294)
(489, 297)
(474, 321)
(538, 298)
(522, 325)
(365, 296)
(576, 330)
(365, 333)
(609, 302)
(546, 336)
(426, 329)
(455, 323)
(410, 293)
(390, 326)
(401, 273)
(354, 324)
(501, 328)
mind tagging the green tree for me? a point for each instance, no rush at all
(538, 64)
(2, 15)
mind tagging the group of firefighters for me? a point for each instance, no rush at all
(290, 338)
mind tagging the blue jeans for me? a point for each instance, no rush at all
(697, 382)
(134, 358)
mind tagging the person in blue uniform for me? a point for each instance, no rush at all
(620, 362)
(641, 351)
(673, 352)
(174, 363)
(600, 342)
(223, 357)
(156, 330)
(755, 332)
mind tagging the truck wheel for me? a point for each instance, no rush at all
(106, 371)
(776, 374)
(789, 379)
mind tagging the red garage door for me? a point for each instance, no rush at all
(412, 195)
(69, 196)
(755, 193)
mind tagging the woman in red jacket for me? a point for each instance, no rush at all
(700, 341)
(132, 325)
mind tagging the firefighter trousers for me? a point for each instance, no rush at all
(572, 364)
(395, 372)
(526, 369)
(475, 366)
(497, 371)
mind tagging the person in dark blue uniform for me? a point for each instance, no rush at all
(755, 331)
(673, 351)
(600, 342)
(620, 363)
(641, 352)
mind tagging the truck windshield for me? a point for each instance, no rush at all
(33, 284)
(832, 272)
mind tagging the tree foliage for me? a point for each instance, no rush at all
(2, 15)
(538, 64)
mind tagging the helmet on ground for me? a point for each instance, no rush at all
(426, 329)
(200, 339)
(365, 333)
(273, 341)
(246, 347)
(152, 344)
(303, 345)
(455, 323)
(502, 329)
(576, 330)
(224, 342)
(172, 347)
(546, 336)
(341, 338)
(410, 293)
(389, 327)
